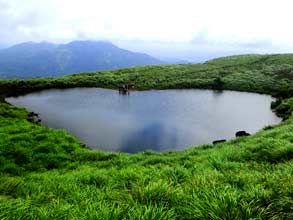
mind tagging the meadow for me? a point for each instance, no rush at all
(49, 174)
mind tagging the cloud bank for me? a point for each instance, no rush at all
(256, 24)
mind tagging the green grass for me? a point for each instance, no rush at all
(47, 174)
(269, 74)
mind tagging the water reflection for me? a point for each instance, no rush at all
(157, 120)
(151, 137)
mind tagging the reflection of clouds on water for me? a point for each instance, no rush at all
(151, 137)
(157, 120)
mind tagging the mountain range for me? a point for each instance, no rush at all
(29, 59)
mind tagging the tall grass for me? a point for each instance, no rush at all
(48, 174)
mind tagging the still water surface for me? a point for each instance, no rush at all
(157, 120)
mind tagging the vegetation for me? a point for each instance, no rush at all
(47, 174)
(270, 74)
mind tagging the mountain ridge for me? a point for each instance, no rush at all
(31, 59)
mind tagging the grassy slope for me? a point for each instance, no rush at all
(46, 174)
(264, 74)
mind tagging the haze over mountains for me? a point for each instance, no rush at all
(31, 59)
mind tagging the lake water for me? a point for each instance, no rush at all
(157, 120)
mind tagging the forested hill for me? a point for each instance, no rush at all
(30, 59)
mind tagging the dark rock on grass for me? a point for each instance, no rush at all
(241, 134)
(33, 117)
(219, 141)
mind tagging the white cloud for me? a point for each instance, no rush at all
(254, 23)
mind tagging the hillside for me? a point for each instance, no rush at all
(48, 174)
(30, 59)
(270, 74)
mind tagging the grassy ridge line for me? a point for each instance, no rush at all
(45, 174)
(270, 74)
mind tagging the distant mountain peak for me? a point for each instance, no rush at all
(88, 43)
(31, 59)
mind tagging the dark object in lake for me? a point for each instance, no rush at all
(124, 89)
(33, 117)
(219, 141)
(241, 134)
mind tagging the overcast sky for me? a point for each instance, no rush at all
(155, 26)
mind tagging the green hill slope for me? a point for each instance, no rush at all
(48, 174)
(252, 73)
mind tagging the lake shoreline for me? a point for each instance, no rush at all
(189, 124)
